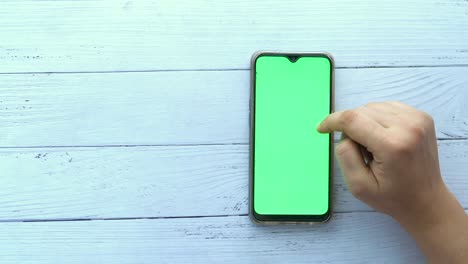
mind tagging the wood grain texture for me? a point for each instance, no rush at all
(348, 238)
(116, 35)
(198, 107)
(97, 183)
(195, 107)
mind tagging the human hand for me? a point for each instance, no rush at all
(389, 160)
(402, 174)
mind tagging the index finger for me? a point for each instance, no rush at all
(357, 125)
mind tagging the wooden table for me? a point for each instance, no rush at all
(124, 124)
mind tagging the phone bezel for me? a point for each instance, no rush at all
(287, 219)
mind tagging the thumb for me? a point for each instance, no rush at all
(359, 178)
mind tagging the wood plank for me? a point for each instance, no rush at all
(116, 35)
(56, 183)
(195, 107)
(348, 238)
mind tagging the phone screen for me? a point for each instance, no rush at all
(291, 160)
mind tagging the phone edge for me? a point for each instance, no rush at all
(253, 59)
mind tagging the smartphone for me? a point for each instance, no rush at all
(290, 162)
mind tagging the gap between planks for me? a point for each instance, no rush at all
(29, 220)
(122, 218)
(169, 145)
(151, 217)
(233, 69)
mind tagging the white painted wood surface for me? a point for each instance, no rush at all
(350, 237)
(111, 35)
(195, 107)
(96, 183)
(120, 84)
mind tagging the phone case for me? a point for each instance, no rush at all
(252, 83)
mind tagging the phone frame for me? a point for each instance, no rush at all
(288, 219)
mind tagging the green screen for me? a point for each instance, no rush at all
(291, 159)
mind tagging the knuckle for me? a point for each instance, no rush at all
(417, 133)
(348, 117)
(372, 104)
(426, 119)
(395, 102)
(400, 147)
(343, 147)
(359, 109)
(358, 188)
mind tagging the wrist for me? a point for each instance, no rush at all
(430, 212)
(440, 227)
